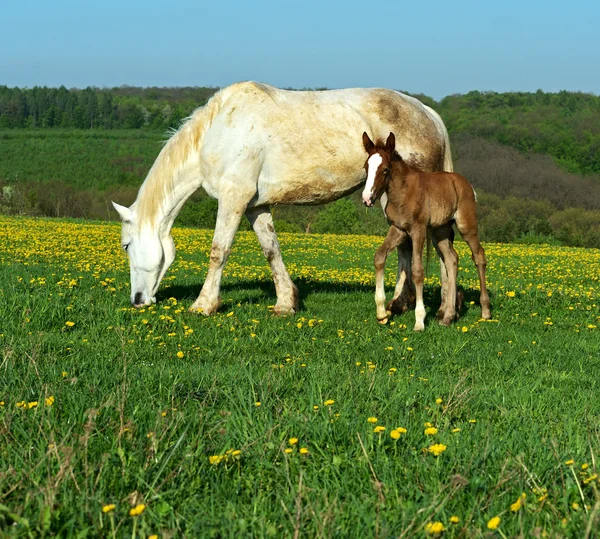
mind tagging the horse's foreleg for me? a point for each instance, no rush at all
(418, 275)
(228, 221)
(393, 238)
(287, 294)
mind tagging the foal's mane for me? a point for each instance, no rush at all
(159, 183)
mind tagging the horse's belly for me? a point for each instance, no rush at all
(318, 189)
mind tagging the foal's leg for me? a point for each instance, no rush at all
(443, 270)
(287, 294)
(418, 236)
(394, 237)
(229, 215)
(466, 222)
(443, 236)
(404, 293)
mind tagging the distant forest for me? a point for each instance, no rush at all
(564, 125)
(534, 159)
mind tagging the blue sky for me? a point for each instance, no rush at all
(436, 48)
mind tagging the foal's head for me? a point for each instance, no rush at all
(378, 166)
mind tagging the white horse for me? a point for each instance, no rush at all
(252, 146)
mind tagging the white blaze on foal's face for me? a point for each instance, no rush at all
(373, 164)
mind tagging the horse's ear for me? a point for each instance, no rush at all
(124, 213)
(368, 143)
(391, 143)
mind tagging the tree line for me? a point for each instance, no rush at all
(563, 125)
(94, 108)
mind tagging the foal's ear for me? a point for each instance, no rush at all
(391, 143)
(368, 143)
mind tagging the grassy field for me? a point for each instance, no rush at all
(116, 422)
(94, 160)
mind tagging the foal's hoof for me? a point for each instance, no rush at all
(383, 321)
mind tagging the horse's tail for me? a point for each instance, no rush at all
(448, 164)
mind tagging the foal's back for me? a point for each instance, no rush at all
(446, 196)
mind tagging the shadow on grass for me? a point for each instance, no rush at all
(265, 291)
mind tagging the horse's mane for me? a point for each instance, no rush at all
(160, 180)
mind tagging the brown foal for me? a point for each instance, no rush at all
(418, 201)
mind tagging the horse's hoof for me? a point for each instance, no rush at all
(419, 327)
(445, 322)
(284, 311)
(383, 321)
(202, 307)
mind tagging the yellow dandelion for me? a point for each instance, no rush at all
(437, 449)
(303, 451)
(69, 324)
(257, 403)
(137, 510)
(438, 401)
(329, 402)
(108, 508)
(288, 450)
(510, 294)
(493, 523)
(372, 419)
(293, 441)
(430, 431)
(180, 354)
(569, 462)
(454, 519)
(465, 329)
(434, 528)
(378, 429)
(49, 401)
(514, 507)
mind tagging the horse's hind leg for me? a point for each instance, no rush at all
(229, 215)
(443, 240)
(404, 293)
(287, 294)
(393, 238)
(466, 222)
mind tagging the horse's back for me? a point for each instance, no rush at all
(307, 145)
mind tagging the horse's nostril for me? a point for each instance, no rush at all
(138, 298)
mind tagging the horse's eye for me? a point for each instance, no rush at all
(386, 170)
(125, 247)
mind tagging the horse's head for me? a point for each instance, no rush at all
(150, 251)
(378, 166)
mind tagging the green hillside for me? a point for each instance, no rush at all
(532, 157)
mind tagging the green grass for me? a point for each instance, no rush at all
(92, 160)
(131, 422)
